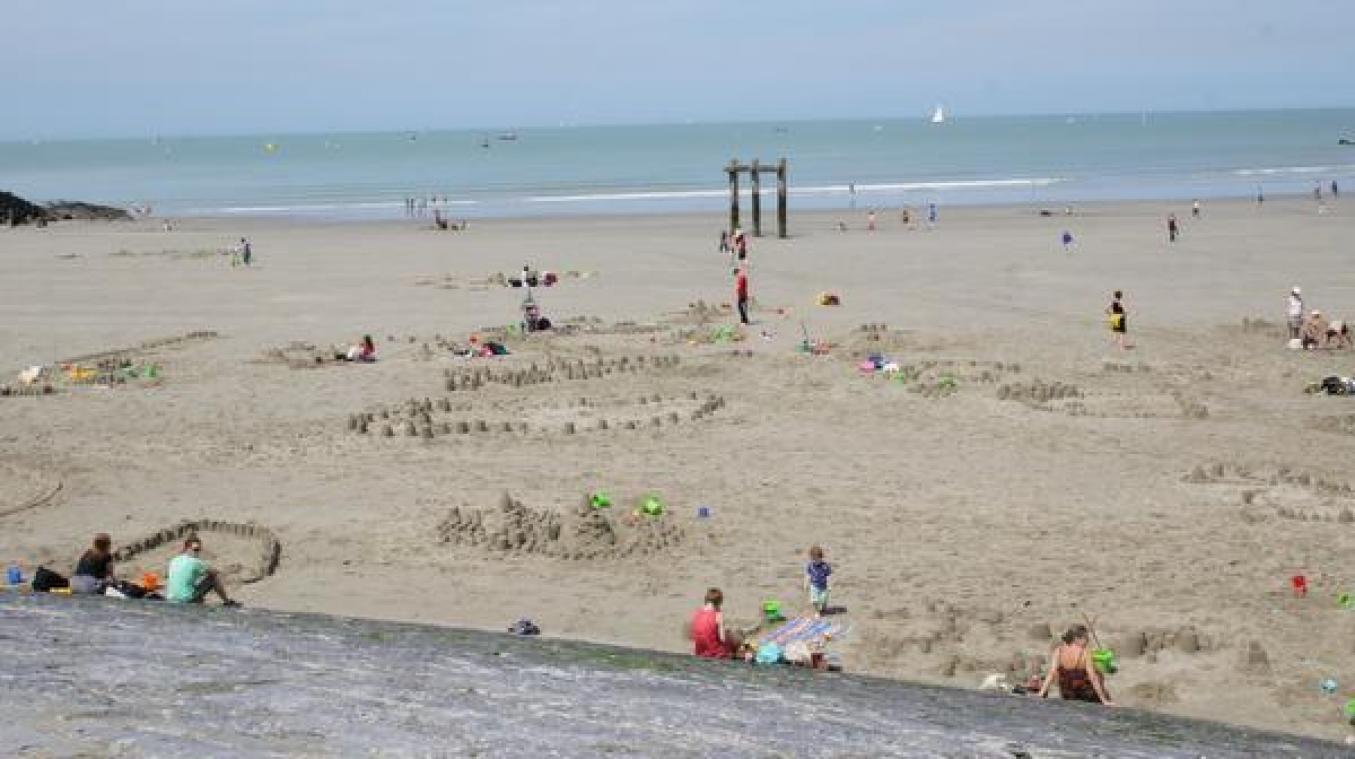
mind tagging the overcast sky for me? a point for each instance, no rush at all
(143, 67)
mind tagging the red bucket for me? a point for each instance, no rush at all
(1300, 585)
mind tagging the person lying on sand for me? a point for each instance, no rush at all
(1071, 664)
(364, 351)
(190, 579)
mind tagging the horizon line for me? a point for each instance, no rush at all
(490, 130)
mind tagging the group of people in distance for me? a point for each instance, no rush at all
(189, 579)
(1310, 330)
(736, 245)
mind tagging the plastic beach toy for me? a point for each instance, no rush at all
(1350, 710)
(1345, 601)
(651, 506)
(14, 575)
(702, 512)
(1300, 585)
(771, 611)
(1329, 686)
(1104, 661)
(600, 500)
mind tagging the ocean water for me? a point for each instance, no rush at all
(678, 167)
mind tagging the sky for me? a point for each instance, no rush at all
(148, 67)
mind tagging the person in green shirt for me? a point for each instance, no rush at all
(190, 579)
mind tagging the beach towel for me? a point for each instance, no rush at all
(806, 629)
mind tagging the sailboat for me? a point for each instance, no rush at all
(939, 115)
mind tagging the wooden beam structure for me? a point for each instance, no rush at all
(755, 170)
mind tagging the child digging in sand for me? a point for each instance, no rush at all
(816, 580)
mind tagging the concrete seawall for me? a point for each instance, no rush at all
(103, 677)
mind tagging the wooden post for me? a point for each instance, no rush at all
(733, 195)
(781, 199)
(757, 199)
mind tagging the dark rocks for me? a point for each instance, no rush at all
(15, 210)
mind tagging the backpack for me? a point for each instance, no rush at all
(45, 580)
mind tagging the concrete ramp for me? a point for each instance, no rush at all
(102, 677)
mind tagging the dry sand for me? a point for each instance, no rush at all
(1169, 491)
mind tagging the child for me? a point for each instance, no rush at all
(1117, 316)
(816, 580)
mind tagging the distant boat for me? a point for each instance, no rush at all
(1345, 141)
(939, 115)
(484, 141)
(506, 136)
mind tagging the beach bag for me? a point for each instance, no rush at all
(1116, 321)
(44, 580)
(1335, 385)
(128, 589)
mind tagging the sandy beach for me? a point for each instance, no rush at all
(1022, 473)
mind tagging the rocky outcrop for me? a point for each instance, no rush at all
(98, 677)
(77, 211)
(16, 210)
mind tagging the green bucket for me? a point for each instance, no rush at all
(771, 611)
(1350, 711)
(1104, 661)
(651, 506)
(600, 500)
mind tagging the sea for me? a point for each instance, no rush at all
(676, 168)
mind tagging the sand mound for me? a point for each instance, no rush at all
(584, 533)
(1283, 492)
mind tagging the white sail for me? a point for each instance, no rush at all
(939, 115)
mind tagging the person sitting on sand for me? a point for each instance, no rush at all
(1071, 665)
(190, 579)
(364, 352)
(94, 571)
(1314, 331)
(1338, 335)
(710, 640)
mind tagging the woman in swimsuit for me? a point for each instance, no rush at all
(1071, 664)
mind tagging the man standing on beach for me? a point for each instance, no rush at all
(1294, 313)
(741, 293)
(1173, 229)
(246, 252)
